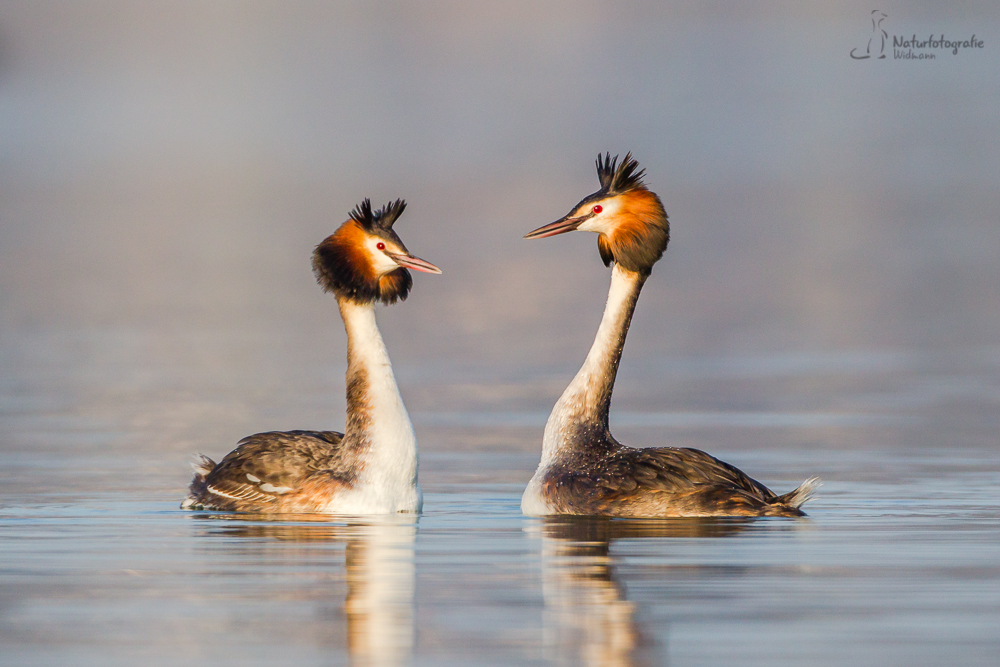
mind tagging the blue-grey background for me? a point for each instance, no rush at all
(829, 303)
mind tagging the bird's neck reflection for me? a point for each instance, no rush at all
(380, 573)
(588, 619)
(380, 592)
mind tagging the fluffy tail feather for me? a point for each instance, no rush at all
(202, 466)
(801, 495)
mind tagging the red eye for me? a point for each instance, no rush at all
(380, 245)
(598, 209)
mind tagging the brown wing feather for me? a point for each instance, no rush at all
(663, 481)
(672, 470)
(276, 471)
(280, 458)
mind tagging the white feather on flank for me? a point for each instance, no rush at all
(215, 491)
(388, 481)
(270, 488)
(244, 493)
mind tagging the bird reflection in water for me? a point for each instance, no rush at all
(380, 574)
(587, 619)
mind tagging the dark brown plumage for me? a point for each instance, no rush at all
(662, 482)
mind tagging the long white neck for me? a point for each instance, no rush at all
(586, 401)
(378, 425)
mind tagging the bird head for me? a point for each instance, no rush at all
(629, 219)
(364, 260)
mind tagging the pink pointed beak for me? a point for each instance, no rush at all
(411, 262)
(560, 226)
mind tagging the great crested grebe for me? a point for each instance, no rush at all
(584, 470)
(371, 468)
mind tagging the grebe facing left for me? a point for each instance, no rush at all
(584, 470)
(371, 468)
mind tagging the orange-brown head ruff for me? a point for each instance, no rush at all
(632, 226)
(364, 260)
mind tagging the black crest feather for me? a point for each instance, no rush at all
(617, 179)
(381, 219)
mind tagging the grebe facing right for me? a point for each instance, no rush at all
(584, 470)
(371, 468)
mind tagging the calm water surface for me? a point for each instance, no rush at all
(899, 561)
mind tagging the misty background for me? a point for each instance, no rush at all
(166, 169)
